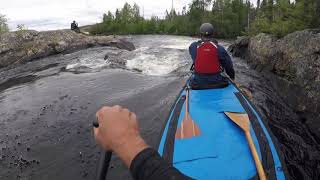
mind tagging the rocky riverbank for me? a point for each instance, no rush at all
(28, 45)
(290, 67)
(292, 64)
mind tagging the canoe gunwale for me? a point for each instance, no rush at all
(173, 125)
(273, 138)
(266, 154)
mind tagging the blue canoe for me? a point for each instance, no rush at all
(221, 150)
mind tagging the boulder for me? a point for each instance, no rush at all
(27, 45)
(240, 47)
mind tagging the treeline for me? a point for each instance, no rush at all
(282, 16)
(231, 18)
(3, 24)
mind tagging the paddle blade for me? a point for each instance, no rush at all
(241, 119)
(187, 129)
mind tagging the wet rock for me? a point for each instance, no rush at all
(138, 70)
(240, 47)
(106, 57)
(85, 174)
(23, 46)
(292, 64)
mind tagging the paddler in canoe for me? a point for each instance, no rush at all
(209, 59)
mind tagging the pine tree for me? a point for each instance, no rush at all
(3, 24)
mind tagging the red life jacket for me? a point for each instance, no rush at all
(207, 61)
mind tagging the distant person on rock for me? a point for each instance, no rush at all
(209, 60)
(74, 27)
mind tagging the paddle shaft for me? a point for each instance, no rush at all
(105, 159)
(254, 152)
(187, 112)
(187, 101)
(103, 165)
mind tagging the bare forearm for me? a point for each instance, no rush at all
(128, 150)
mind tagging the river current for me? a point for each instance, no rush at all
(47, 106)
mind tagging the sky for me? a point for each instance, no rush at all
(58, 14)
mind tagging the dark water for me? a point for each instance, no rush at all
(47, 106)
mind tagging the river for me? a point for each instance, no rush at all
(47, 107)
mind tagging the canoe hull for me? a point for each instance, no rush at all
(221, 150)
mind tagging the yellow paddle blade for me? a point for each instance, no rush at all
(187, 129)
(241, 119)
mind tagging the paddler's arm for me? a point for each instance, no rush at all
(148, 164)
(226, 62)
(193, 50)
(119, 131)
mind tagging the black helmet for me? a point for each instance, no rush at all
(206, 29)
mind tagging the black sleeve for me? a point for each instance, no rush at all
(226, 62)
(149, 165)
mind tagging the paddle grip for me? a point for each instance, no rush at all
(95, 123)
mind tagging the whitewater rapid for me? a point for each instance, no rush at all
(157, 56)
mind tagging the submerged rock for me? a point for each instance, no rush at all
(293, 65)
(27, 45)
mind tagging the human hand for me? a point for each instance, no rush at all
(119, 131)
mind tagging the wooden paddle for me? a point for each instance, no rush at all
(188, 127)
(242, 120)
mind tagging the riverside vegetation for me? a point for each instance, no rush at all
(231, 18)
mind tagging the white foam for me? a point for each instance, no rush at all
(92, 63)
(156, 66)
(178, 43)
